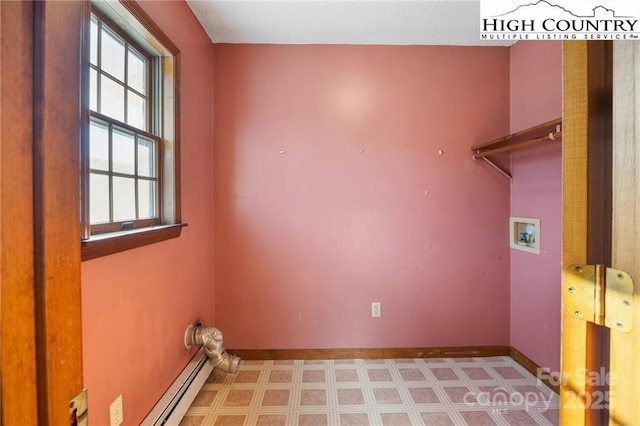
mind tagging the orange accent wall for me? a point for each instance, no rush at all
(137, 304)
(343, 175)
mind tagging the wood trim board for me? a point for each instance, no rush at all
(532, 368)
(372, 353)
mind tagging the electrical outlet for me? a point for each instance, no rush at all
(375, 310)
(115, 409)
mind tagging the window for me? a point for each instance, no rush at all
(130, 149)
(123, 165)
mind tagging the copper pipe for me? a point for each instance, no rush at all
(210, 338)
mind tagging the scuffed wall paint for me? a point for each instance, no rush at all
(343, 176)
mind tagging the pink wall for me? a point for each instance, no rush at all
(137, 304)
(330, 194)
(536, 97)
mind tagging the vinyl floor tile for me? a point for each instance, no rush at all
(395, 392)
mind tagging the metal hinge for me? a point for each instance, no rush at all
(78, 410)
(599, 294)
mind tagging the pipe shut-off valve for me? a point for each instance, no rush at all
(210, 338)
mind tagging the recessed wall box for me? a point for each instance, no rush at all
(524, 234)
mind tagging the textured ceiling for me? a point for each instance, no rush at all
(421, 22)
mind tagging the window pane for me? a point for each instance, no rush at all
(123, 152)
(112, 54)
(136, 114)
(146, 199)
(98, 146)
(111, 98)
(98, 198)
(93, 90)
(137, 75)
(124, 199)
(125, 162)
(94, 41)
(146, 157)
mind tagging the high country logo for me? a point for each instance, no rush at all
(545, 20)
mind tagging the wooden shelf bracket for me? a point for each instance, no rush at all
(542, 133)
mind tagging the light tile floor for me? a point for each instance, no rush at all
(436, 391)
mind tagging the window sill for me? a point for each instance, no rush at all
(115, 242)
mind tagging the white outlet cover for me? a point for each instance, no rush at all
(376, 311)
(115, 411)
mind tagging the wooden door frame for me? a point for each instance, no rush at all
(625, 383)
(586, 215)
(39, 212)
(58, 27)
(17, 312)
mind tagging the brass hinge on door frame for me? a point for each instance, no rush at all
(78, 410)
(598, 294)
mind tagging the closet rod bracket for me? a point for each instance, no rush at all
(495, 166)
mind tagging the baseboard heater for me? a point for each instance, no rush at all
(176, 401)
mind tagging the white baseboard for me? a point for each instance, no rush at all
(178, 398)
